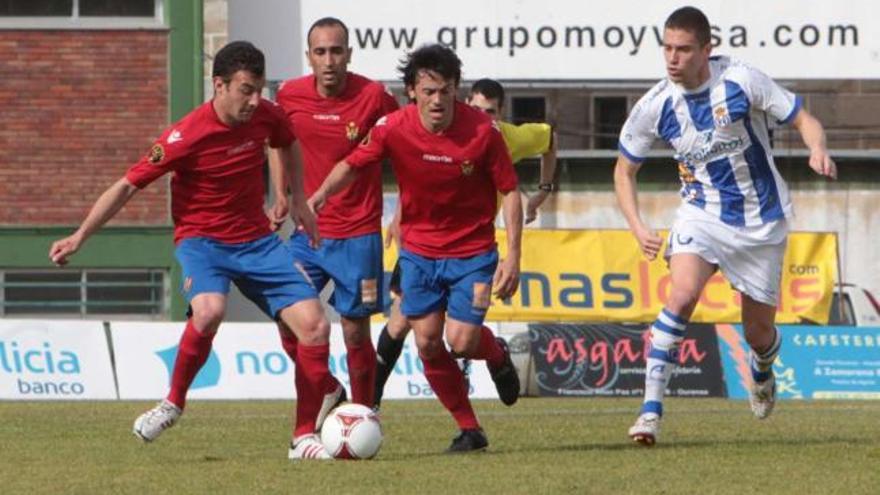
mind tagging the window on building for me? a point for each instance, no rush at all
(609, 114)
(528, 109)
(43, 14)
(136, 292)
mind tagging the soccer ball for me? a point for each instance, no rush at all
(352, 431)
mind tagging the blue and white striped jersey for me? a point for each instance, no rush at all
(719, 134)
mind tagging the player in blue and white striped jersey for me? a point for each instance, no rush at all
(714, 112)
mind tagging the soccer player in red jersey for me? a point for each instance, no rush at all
(331, 110)
(216, 155)
(450, 162)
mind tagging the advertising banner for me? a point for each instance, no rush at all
(54, 359)
(601, 275)
(565, 40)
(814, 363)
(609, 360)
(247, 362)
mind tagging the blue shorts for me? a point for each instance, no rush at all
(261, 269)
(355, 266)
(463, 286)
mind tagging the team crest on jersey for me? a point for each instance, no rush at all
(352, 131)
(722, 118)
(157, 154)
(686, 175)
(467, 168)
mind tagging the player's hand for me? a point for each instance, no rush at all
(534, 202)
(316, 202)
(63, 249)
(392, 233)
(506, 279)
(821, 162)
(304, 216)
(649, 242)
(278, 214)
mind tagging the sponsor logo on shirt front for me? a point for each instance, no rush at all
(436, 158)
(241, 147)
(713, 150)
(326, 116)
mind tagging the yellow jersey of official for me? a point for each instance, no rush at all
(526, 140)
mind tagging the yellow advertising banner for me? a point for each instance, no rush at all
(601, 275)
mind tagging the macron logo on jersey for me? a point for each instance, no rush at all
(174, 137)
(436, 158)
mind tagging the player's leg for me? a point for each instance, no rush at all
(689, 273)
(284, 291)
(355, 265)
(765, 342)
(205, 285)
(391, 339)
(470, 290)
(304, 258)
(424, 301)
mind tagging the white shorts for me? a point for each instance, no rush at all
(749, 257)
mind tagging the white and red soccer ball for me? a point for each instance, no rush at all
(352, 431)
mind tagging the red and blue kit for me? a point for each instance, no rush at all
(448, 181)
(217, 188)
(217, 194)
(328, 129)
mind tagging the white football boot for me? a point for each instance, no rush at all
(308, 447)
(149, 425)
(646, 429)
(330, 401)
(762, 397)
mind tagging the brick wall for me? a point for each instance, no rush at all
(79, 107)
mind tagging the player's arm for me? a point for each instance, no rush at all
(547, 182)
(292, 171)
(625, 188)
(107, 205)
(813, 134)
(506, 280)
(393, 232)
(338, 179)
(279, 181)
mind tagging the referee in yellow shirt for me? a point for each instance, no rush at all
(522, 141)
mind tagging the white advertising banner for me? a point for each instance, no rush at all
(54, 359)
(569, 40)
(247, 362)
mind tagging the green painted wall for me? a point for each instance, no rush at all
(184, 18)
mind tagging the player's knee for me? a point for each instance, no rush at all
(429, 349)
(461, 343)
(207, 317)
(682, 301)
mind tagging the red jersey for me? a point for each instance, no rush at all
(217, 189)
(448, 181)
(328, 129)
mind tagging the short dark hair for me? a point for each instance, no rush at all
(691, 19)
(434, 57)
(327, 22)
(236, 56)
(489, 88)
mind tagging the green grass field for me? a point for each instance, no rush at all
(539, 446)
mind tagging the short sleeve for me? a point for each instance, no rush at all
(640, 130)
(281, 134)
(526, 140)
(168, 153)
(372, 148)
(499, 164)
(767, 95)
